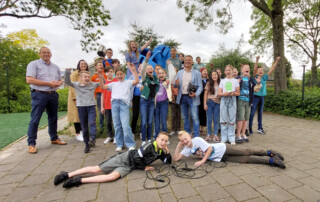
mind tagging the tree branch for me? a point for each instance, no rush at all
(26, 16)
(261, 5)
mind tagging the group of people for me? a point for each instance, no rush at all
(148, 90)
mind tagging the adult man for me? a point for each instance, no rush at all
(44, 78)
(190, 87)
(198, 65)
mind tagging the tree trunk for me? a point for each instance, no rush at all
(278, 46)
(314, 72)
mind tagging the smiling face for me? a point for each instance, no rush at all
(228, 71)
(246, 70)
(109, 54)
(188, 61)
(85, 78)
(110, 74)
(214, 76)
(260, 71)
(83, 66)
(99, 67)
(204, 73)
(198, 59)
(133, 46)
(181, 57)
(185, 139)
(120, 75)
(157, 69)
(235, 73)
(45, 54)
(162, 140)
(162, 75)
(173, 52)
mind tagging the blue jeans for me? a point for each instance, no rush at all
(121, 119)
(258, 102)
(43, 101)
(161, 115)
(87, 115)
(213, 113)
(228, 112)
(101, 116)
(147, 113)
(186, 103)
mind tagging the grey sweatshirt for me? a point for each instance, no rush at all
(85, 93)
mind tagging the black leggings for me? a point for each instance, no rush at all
(77, 127)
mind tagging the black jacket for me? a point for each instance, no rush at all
(140, 158)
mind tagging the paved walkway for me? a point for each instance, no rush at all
(26, 177)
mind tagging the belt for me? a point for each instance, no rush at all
(34, 90)
(185, 94)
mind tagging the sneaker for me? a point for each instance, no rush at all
(131, 148)
(250, 132)
(261, 131)
(272, 153)
(172, 133)
(114, 141)
(63, 176)
(216, 138)
(276, 161)
(92, 143)
(87, 149)
(143, 143)
(79, 137)
(141, 136)
(72, 182)
(109, 139)
(247, 132)
(239, 140)
(149, 141)
(119, 149)
(233, 143)
(245, 139)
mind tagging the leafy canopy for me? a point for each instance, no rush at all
(27, 39)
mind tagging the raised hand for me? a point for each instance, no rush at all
(257, 58)
(148, 55)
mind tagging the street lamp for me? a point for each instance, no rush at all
(303, 80)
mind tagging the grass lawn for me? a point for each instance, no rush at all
(15, 125)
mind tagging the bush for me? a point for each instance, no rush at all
(289, 103)
(63, 99)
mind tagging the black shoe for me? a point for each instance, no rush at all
(247, 132)
(272, 153)
(275, 161)
(60, 178)
(72, 182)
(87, 149)
(92, 143)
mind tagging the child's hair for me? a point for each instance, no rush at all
(163, 133)
(181, 54)
(78, 65)
(119, 69)
(211, 82)
(228, 66)
(182, 132)
(259, 67)
(109, 49)
(157, 66)
(198, 57)
(85, 72)
(96, 64)
(115, 61)
(129, 48)
(108, 68)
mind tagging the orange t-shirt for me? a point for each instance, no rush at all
(107, 95)
(95, 78)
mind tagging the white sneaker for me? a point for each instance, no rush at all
(80, 137)
(143, 143)
(114, 141)
(109, 139)
(119, 149)
(172, 133)
(132, 148)
(233, 143)
(149, 141)
(141, 136)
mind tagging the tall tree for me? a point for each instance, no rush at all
(27, 39)
(83, 15)
(301, 28)
(202, 14)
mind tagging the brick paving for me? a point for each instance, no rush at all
(26, 177)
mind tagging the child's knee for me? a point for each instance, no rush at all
(95, 169)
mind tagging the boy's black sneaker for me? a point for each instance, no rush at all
(275, 161)
(87, 149)
(60, 178)
(92, 143)
(72, 182)
(272, 153)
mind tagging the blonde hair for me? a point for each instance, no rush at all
(182, 132)
(85, 72)
(129, 48)
(231, 67)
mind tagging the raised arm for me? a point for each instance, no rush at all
(255, 67)
(101, 79)
(144, 66)
(274, 66)
(132, 68)
(67, 79)
(146, 44)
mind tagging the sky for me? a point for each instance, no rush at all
(163, 15)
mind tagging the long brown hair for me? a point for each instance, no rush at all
(129, 48)
(211, 83)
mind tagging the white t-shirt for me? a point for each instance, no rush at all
(186, 79)
(229, 85)
(200, 146)
(121, 90)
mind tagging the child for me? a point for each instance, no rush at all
(211, 104)
(258, 98)
(115, 65)
(228, 90)
(133, 54)
(73, 115)
(235, 73)
(247, 85)
(157, 69)
(97, 93)
(106, 104)
(161, 111)
(86, 105)
(220, 151)
(120, 101)
(120, 165)
(202, 112)
(150, 85)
